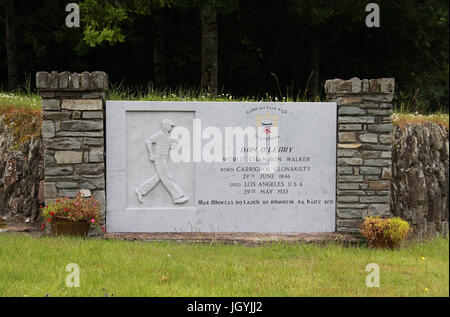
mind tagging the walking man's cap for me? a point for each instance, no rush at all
(169, 122)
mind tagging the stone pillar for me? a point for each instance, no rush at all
(364, 149)
(73, 133)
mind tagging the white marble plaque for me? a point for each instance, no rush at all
(222, 185)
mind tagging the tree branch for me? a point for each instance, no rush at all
(332, 40)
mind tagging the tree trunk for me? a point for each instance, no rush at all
(159, 65)
(314, 66)
(209, 67)
(10, 43)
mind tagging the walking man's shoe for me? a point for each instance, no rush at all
(139, 194)
(181, 200)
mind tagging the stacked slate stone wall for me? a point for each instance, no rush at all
(21, 175)
(420, 184)
(73, 133)
(364, 149)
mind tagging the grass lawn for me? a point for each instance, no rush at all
(402, 119)
(36, 266)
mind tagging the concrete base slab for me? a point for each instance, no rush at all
(240, 238)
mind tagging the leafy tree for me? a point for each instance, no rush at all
(325, 23)
(10, 42)
(251, 47)
(107, 21)
(422, 61)
(209, 39)
(104, 19)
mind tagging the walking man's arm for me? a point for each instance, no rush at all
(149, 144)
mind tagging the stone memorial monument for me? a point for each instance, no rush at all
(220, 167)
(275, 167)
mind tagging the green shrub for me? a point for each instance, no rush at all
(397, 231)
(385, 233)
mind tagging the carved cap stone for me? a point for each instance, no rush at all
(72, 81)
(360, 86)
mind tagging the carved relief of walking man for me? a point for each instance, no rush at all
(160, 157)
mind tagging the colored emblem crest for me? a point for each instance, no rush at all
(267, 122)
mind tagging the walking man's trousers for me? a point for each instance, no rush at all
(163, 175)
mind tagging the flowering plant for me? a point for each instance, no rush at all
(75, 209)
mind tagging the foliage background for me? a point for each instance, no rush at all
(265, 46)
